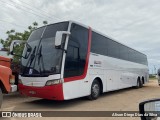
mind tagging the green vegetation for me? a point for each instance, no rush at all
(13, 35)
(152, 77)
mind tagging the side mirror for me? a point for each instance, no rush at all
(13, 44)
(19, 42)
(58, 37)
(150, 110)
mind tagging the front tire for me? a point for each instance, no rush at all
(1, 97)
(95, 90)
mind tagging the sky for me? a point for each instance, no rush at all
(135, 23)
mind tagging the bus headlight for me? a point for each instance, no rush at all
(53, 82)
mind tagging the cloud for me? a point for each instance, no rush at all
(132, 22)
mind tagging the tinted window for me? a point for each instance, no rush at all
(47, 59)
(99, 44)
(105, 46)
(36, 35)
(113, 49)
(52, 29)
(76, 51)
(130, 55)
(123, 52)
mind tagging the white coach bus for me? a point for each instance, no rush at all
(68, 60)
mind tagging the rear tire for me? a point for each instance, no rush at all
(1, 97)
(142, 81)
(139, 84)
(95, 90)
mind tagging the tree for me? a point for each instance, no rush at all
(13, 35)
(45, 22)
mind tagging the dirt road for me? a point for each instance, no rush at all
(122, 100)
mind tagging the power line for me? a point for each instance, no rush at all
(23, 9)
(33, 10)
(12, 23)
(45, 12)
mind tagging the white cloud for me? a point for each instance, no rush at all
(132, 22)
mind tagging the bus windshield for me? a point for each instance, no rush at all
(44, 59)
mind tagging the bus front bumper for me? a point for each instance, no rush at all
(54, 92)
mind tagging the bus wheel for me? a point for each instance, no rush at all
(95, 90)
(139, 84)
(142, 81)
(1, 97)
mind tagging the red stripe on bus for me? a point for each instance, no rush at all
(86, 64)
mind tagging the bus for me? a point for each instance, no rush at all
(68, 60)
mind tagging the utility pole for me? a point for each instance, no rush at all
(155, 70)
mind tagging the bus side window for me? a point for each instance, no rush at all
(72, 61)
(76, 51)
(73, 53)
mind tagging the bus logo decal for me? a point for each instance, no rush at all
(30, 71)
(97, 62)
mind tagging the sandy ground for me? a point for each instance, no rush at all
(122, 100)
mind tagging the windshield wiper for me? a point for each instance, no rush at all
(32, 56)
(30, 59)
(29, 49)
(40, 58)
